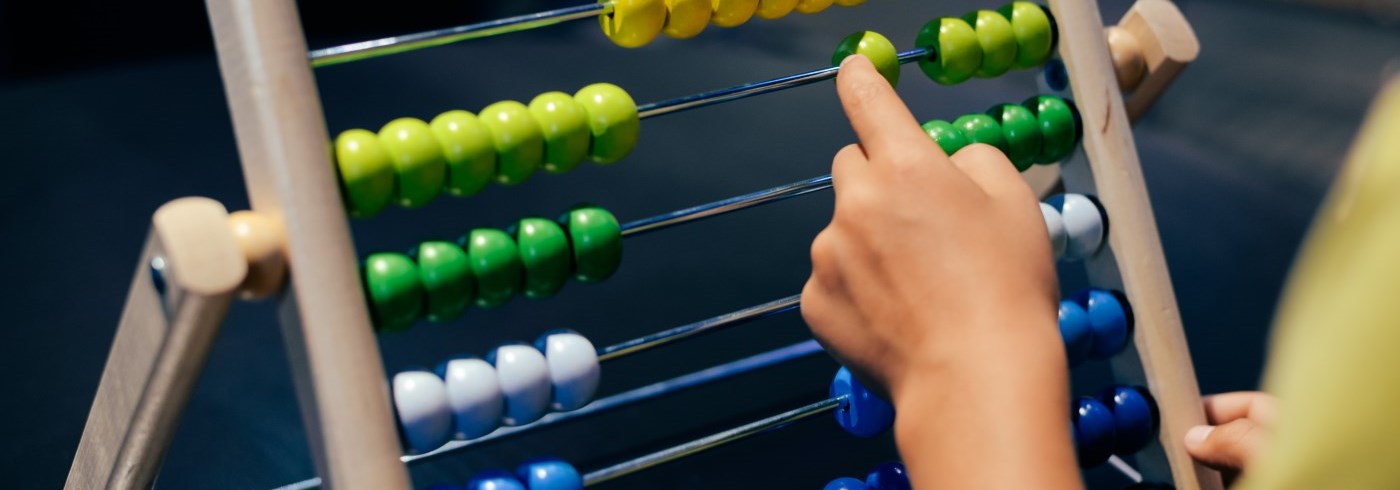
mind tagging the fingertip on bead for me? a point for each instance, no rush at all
(612, 121)
(420, 402)
(981, 128)
(861, 413)
(873, 46)
(366, 172)
(948, 137)
(394, 289)
(633, 23)
(518, 139)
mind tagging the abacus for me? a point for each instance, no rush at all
(198, 257)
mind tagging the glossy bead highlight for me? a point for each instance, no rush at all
(633, 23)
(495, 262)
(474, 395)
(612, 120)
(596, 238)
(518, 139)
(957, 51)
(419, 167)
(875, 47)
(544, 255)
(564, 126)
(468, 150)
(366, 172)
(395, 290)
(523, 374)
(446, 275)
(420, 401)
(863, 414)
(1093, 432)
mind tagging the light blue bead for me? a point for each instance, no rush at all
(846, 483)
(1093, 432)
(549, 474)
(1075, 331)
(1109, 320)
(1134, 418)
(495, 480)
(889, 476)
(863, 414)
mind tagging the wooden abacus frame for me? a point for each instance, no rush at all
(172, 314)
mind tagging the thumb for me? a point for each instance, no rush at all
(1228, 446)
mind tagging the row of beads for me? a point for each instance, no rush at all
(516, 384)
(1044, 129)
(1094, 324)
(634, 23)
(410, 161)
(887, 476)
(489, 266)
(536, 474)
(1122, 420)
(1076, 224)
(986, 43)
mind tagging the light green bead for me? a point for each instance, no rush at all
(518, 140)
(957, 52)
(1022, 133)
(1059, 127)
(1035, 35)
(545, 254)
(874, 46)
(366, 172)
(596, 238)
(612, 121)
(949, 138)
(998, 42)
(564, 124)
(495, 262)
(981, 128)
(447, 279)
(468, 149)
(418, 162)
(394, 290)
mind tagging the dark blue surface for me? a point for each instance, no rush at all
(863, 414)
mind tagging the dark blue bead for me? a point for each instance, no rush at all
(1056, 77)
(1108, 318)
(1075, 331)
(889, 476)
(549, 474)
(1134, 418)
(863, 413)
(846, 483)
(1093, 432)
(495, 480)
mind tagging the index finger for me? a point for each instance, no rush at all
(882, 122)
(1227, 407)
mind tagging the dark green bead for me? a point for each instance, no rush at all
(495, 262)
(949, 138)
(1059, 127)
(596, 238)
(394, 290)
(1022, 132)
(981, 128)
(447, 279)
(544, 252)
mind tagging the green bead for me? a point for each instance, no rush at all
(518, 140)
(596, 238)
(612, 121)
(949, 138)
(874, 46)
(468, 149)
(544, 252)
(1035, 35)
(1059, 127)
(495, 262)
(1022, 132)
(998, 42)
(418, 161)
(981, 128)
(447, 280)
(366, 172)
(394, 289)
(565, 127)
(956, 51)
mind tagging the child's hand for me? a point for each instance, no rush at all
(1241, 423)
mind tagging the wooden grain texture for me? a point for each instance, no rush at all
(1132, 261)
(160, 346)
(282, 142)
(1165, 43)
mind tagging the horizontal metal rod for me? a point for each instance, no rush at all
(410, 42)
(639, 344)
(711, 442)
(727, 205)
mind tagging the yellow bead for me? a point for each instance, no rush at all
(634, 23)
(773, 9)
(731, 13)
(366, 172)
(612, 120)
(812, 6)
(998, 42)
(418, 160)
(849, 3)
(564, 124)
(470, 153)
(518, 140)
(686, 18)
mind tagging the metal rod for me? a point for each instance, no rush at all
(727, 205)
(712, 441)
(654, 390)
(1126, 469)
(639, 344)
(751, 89)
(410, 42)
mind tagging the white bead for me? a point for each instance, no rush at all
(474, 395)
(524, 378)
(573, 369)
(1084, 225)
(420, 397)
(1056, 226)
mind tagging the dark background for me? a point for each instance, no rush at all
(109, 109)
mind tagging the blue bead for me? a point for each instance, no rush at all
(549, 474)
(1056, 77)
(846, 483)
(1093, 432)
(889, 476)
(1075, 331)
(863, 413)
(1134, 418)
(495, 480)
(1108, 318)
